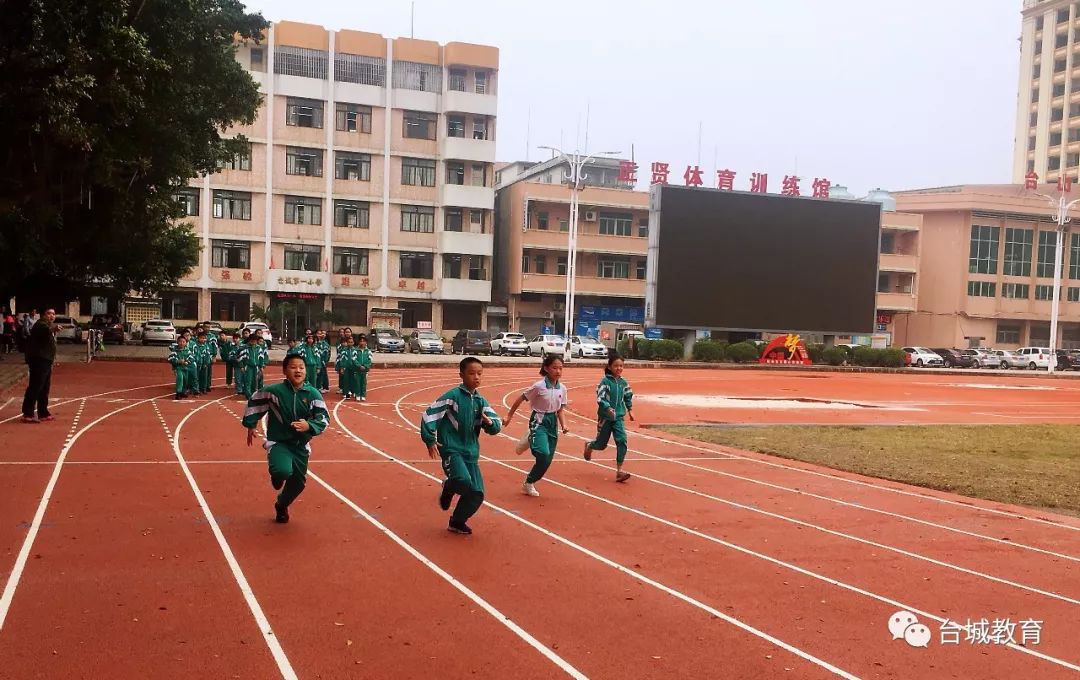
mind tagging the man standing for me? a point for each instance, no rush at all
(40, 354)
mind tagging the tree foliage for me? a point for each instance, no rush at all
(106, 108)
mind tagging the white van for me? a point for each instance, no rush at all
(1035, 357)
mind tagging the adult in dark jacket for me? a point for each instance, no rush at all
(40, 355)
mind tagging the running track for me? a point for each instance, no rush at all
(136, 541)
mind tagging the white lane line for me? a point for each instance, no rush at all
(269, 637)
(615, 565)
(7, 403)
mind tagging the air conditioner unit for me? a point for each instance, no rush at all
(590, 215)
(549, 315)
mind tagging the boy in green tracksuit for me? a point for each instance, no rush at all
(450, 428)
(614, 401)
(297, 413)
(263, 359)
(248, 359)
(203, 363)
(229, 349)
(312, 360)
(179, 358)
(346, 367)
(295, 350)
(323, 379)
(363, 367)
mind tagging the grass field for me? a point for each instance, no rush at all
(1032, 465)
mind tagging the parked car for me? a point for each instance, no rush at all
(425, 341)
(110, 326)
(67, 329)
(980, 358)
(509, 343)
(582, 346)
(213, 327)
(1068, 360)
(158, 330)
(954, 358)
(471, 342)
(920, 357)
(544, 345)
(253, 326)
(386, 340)
(1035, 357)
(1004, 359)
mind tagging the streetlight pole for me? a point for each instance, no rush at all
(574, 177)
(1061, 218)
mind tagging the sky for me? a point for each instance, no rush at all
(866, 93)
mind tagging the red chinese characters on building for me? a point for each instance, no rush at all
(1031, 180)
(822, 187)
(725, 179)
(660, 173)
(402, 283)
(365, 282)
(759, 182)
(1065, 183)
(421, 285)
(226, 275)
(247, 276)
(344, 280)
(692, 176)
(791, 186)
(628, 172)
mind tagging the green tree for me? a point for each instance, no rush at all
(107, 107)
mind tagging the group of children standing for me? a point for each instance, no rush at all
(353, 362)
(245, 356)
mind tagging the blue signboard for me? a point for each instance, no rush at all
(637, 314)
(653, 333)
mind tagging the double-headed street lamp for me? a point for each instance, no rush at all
(574, 177)
(1062, 206)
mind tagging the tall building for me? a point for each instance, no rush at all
(367, 189)
(1048, 97)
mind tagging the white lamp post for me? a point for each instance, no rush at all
(574, 177)
(1061, 218)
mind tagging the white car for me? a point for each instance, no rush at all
(583, 346)
(259, 326)
(509, 343)
(425, 341)
(1006, 358)
(158, 330)
(543, 345)
(67, 329)
(921, 356)
(1035, 357)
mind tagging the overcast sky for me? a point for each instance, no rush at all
(868, 93)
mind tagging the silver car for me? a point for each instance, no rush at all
(67, 329)
(426, 341)
(1006, 358)
(158, 330)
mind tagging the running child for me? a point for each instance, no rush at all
(614, 400)
(297, 413)
(547, 397)
(179, 358)
(450, 428)
(363, 366)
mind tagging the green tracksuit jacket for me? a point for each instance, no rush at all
(613, 393)
(181, 361)
(453, 422)
(285, 405)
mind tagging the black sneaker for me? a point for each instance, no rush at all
(282, 514)
(459, 528)
(277, 483)
(178, 397)
(446, 496)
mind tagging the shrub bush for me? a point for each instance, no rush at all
(892, 357)
(742, 352)
(646, 349)
(708, 350)
(867, 356)
(834, 356)
(665, 350)
(816, 352)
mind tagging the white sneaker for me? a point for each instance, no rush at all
(529, 489)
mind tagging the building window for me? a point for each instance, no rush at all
(1018, 252)
(888, 243)
(453, 220)
(303, 161)
(232, 205)
(479, 175)
(240, 161)
(1035, 72)
(525, 264)
(1044, 292)
(542, 220)
(561, 265)
(352, 166)
(480, 128)
(1074, 257)
(188, 199)
(409, 75)
(1059, 90)
(1059, 65)
(457, 80)
(418, 125)
(613, 268)
(303, 210)
(481, 80)
(455, 173)
(884, 283)
(641, 269)
(417, 172)
(1031, 143)
(416, 265)
(303, 258)
(615, 224)
(1074, 294)
(477, 271)
(476, 221)
(420, 218)
(1008, 334)
(355, 214)
(1047, 249)
(643, 227)
(1061, 40)
(981, 289)
(300, 61)
(455, 126)
(353, 68)
(353, 118)
(564, 225)
(351, 261)
(1053, 163)
(1015, 290)
(540, 262)
(1034, 118)
(258, 59)
(1034, 95)
(1055, 139)
(1074, 133)
(230, 254)
(984, 247)
(1063, 15)
(303, 112)
(451, 267)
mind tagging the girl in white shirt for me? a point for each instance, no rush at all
(547, 397)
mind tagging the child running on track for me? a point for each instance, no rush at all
(450, 429)
(547, 397)
(614, 400)
(297, 413)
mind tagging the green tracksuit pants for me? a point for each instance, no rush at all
(181, 379)
(543, 438)
(192, 377)
(605, 428)
(359, 382)
(288, 461)
(251, 381)
(464, 479)
(205, 371)
(241, 379)
(228, 373)
(312, 375)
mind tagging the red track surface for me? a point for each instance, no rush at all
(709, 563)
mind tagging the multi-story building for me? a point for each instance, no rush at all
(367, 188)
(532, 243)
(1048, 98)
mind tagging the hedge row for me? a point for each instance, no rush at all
(659, 350)
(714, 351)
